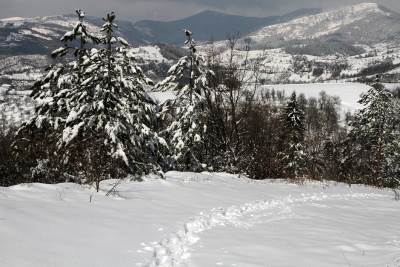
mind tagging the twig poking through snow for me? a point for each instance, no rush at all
(112, 190)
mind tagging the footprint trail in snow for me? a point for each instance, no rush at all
(175, 250)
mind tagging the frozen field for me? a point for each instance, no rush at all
(199, 220)
(349, 93)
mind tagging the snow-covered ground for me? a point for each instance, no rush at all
(149, 54)
(349, 93)
(199, 220)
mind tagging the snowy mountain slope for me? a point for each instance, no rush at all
(314, 26)
(279, 66)
(340, 30)
(41, 34)
(348, 43)
(206, 219)
(34, 35)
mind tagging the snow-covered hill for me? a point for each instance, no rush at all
(335, 30)
(206, 219)
(315, 26)
(365, 23)
(27, 35)
(349, 43)
(279, 66)
(34, 35)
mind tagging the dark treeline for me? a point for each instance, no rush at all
(94, 120)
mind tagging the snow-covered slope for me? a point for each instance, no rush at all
(349, 43)
(341, 30)
(22, 36)
(314, 26)
(198, 220)
(43, 27)
(19, 31)
(279, 66)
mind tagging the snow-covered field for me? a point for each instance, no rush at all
(199, 220)
(349, 93)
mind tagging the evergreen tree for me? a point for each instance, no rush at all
(293, 157)
(186, 128)
(36, 142)
(375, 137)
(97, 113)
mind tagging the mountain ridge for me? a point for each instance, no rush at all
(38, 35)
(341, 30)
(209, 25)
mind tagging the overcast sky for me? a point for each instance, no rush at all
(167, 9)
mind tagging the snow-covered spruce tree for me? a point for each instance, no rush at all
(375, 138)
(293, 156)
(36, 141)
(104, 128)
(186, 115)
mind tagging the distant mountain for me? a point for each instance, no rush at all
(335, 31)
(209, 25)
(26, 36)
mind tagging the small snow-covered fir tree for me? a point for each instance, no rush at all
(293, 157)
(97, 113)
(375, 131)
(188, 79)
(37, 139)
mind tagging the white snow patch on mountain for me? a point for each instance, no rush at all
(44, 31)
(12, 19)
(149, 54)
(29, 32)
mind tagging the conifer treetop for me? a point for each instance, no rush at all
(79, 33)
(108, 30)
